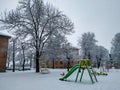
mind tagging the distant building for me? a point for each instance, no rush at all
(57, 63)
(62, 61)
(3, 50)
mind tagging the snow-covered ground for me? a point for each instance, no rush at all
(29, 80)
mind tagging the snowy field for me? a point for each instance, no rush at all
(29, 80)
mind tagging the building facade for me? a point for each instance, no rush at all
(62, 61)
(3, 51)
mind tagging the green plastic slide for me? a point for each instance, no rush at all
(75, 67)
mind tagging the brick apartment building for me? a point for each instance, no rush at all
(61, 62)
(3, 50)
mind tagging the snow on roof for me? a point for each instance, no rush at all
(5, 33)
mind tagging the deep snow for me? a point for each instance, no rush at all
(29, 80)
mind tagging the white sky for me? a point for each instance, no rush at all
(101, 17)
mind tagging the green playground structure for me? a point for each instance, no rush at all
(84, 64)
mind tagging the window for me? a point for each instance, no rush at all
(61, 62)
(56, 62)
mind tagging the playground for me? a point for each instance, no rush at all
(29, 80)
(83, 65)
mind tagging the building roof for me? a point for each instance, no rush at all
(5, 34)
(75, 48)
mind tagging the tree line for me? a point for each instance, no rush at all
(97, 53)
(39, 27)
(33, 23)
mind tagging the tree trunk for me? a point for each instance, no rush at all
(24, 59)
(37, 61)
(53, 63)
(97, 61)
(68, 64)
(13, 56)
(89, 56)
(85, 54)
(98, 64)
(8, 63)
(30, 63)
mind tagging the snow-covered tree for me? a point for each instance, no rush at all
(37, 21)
(12, 50)
(20, 54)
(101, 55)
(115, 50)
(53, 47)
(9, 54)
(67, 53)
(87, 44)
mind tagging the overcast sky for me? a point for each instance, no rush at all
(101, 17)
